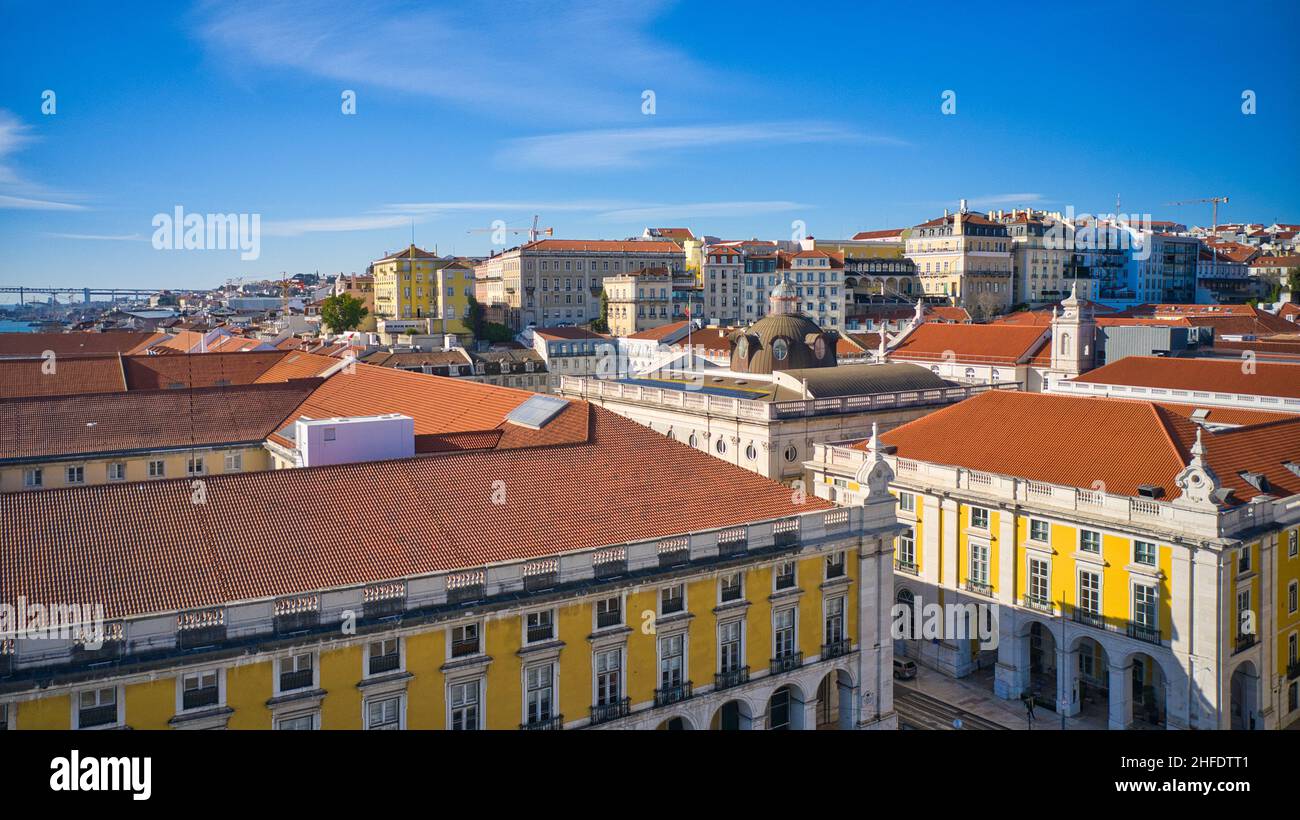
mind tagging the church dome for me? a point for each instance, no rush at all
(782, 342)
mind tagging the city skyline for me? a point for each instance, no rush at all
(464, 118)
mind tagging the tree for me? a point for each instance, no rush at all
(476, 318)
(601, 323)
(494, 332)
(343, 312)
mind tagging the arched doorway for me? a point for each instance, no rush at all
(1093, 680)
(675, 724)
(835, 701)
(734, 714)
(1245, 697)
(1148, 692)
(1042, 666)
(904, 600)
(785, 709)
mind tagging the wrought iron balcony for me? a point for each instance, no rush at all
(1244, 642)
(380, 664)
(786, 662)
(602, 713)
(545, 724)
(730, 678)
(1293, 670)
(290, 681)
(98, 716)
(199, 698)
(673, 694)
(460, 649)
(1035, 602)
(1143, 632)
(836, 648)
(979, 588)
(906, 566)
(1093, 619)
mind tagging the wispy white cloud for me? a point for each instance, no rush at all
(95, 237)
(549, 61)
(631, 147)
(340, 224)
(16, 192)
(700, 210)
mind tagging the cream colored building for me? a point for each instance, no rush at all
(964, 257)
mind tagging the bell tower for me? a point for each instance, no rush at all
(1074, 336)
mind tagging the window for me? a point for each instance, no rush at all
(835, 565)
(296, 672)
(729, 654)
(906, 550)
(1090, 541)
(979, 563)
(791, 453)
(97, 707)
(721, 446)
(1040, 531)
(464, 640)
(609, 675)
(1293, 597)
(751, 452)
(907, 502)
(729, 588)
(672, 661)
(1243, 561)
(384, 714)
(464, 698)
(76, 475)
(194, 466)
(1038, 569)
(783, 633)
(834, 620)
(1144, 605)
(541, 626)
(297, 723)
(117, 471)
(609, 612)
(785, 575)
(385, 656)
(199, 689)
(979, 518)
(540, 693)
(234, 461)
(1090, 592)
(672, 599)
(33, 478)
(157, 469)
(1144, 552)
(331, 433)
(1293, 543)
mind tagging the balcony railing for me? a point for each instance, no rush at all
(1038, 603)
(1244, 642)
(786, 662)
(730, 678)
(545, 724)
(98, 716)
(906, 566)
(603, 713)
(198, 698)
(1293, 670)
(460, 649)
(836, 648)
(1143, 632)
(1093, 619)
(979, 588)
(290, 681)
(380, 664)
(673, 694)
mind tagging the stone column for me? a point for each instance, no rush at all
(1011, 677)
(1067, 681)
(1121, 697)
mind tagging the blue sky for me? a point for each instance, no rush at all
(468, 113)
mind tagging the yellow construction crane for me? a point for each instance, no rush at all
(1214, 200)
(532, 232)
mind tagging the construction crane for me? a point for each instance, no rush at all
(1214, 200)
(532, 232)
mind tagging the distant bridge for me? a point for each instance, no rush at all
(86, 293)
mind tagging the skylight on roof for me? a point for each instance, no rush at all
(536, 412)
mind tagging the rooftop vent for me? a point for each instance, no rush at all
(1150, 491)
(1257, 480)
(536, 412)
(1200, 415)
(1292, 466)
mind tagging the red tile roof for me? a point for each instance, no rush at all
(973, 344)
(297, 365)
(604, 246)
(67, 344)
(656, 334)
(1077, 442)
(1213, 375)
(888, 233)
(60, 376)
(287, 531)
(140, 420)
(568, 333)
(198, 369)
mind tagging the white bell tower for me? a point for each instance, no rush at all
(1074, 336)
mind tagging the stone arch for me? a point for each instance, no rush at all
(785, 707)
(676, 722)
(1244, 693)
(736, 713)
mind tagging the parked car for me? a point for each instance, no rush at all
(904, 669)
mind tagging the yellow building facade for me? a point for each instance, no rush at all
(194, 462)
(417, 284)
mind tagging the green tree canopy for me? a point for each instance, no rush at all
(343, 312)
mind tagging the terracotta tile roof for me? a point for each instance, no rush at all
(1213, 375)
(568, 333)
(280, 532)
(71, 374)
(603, 246)
(712, 339)
(197, 369)
(1078, 441)
(656, 334)
(673, 233)
(433, 358)
(888, 233)
(409, 252)
(974, 344)
(298, 365)
(1276, 262)
(948, 313)
(68, 344)
(47, 427)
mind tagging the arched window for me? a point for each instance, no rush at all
(780, 349)
(751, 452)
(791, 452)
(721, 446)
